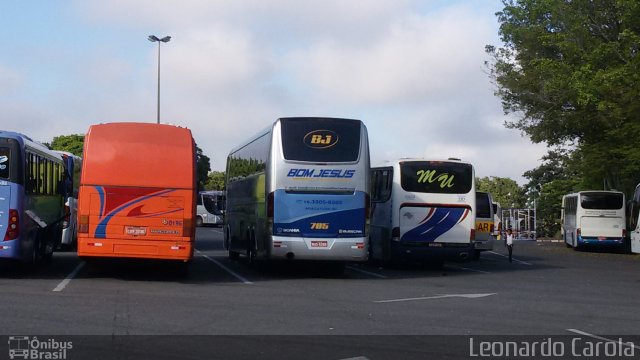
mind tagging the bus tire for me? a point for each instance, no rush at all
(233, 255)
(199, 221)
(475, 255)
(251, 249)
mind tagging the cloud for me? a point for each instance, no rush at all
(411, 70)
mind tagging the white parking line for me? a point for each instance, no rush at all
(236, 275)
(380, 276)
(70, 277)
(579, 332)
(469, 269)
(514, 259)
(466, 296)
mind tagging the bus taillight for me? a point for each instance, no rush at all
(187, 227)
(83, 224)
(67, 217)
(13, 227)
(624, 232)
(578, 232)
(472, 235)
(395, 234)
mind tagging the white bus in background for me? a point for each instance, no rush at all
(210, 208)
(634, 221)
(593, 218)
(485, 217)
(423, 210)
(497, 221)
(300, 190)
(72, 167)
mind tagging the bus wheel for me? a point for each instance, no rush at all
(233, 255)
(475, 255)
(251, 249)
(199, 221)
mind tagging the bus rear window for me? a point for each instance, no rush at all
(601, 201)
(483, 206)
(436, 177)
(5, 154)
(320, 140)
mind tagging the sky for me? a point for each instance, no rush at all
(412, 70)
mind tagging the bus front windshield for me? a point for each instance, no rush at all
(436, 177)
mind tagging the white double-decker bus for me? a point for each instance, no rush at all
(423, 210)
(593, 218)
(299, 190)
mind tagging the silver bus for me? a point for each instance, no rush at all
(300, 190)
(210, 208)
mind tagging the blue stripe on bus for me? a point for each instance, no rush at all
(101, 229)
(345, 223)
(442, 220)
(100, 191)
(319, 215)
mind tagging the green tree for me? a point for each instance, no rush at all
(70, 143)
(203, 166)
(549, 204)
(505, 191)
(215, 181)
(570, 70)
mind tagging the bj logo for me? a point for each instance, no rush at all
(321, 139)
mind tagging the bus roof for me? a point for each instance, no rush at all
(139, 154)
(24, 140)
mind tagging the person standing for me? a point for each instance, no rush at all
(509, 242)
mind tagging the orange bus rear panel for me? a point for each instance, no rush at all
(136, 222)
(137, 192)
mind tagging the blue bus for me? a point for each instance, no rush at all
(31, 198)
(300, 190)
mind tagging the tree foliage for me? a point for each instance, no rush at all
(71, 143)
(505, 191)
(570, 70)
(203, 166)
(215, 181)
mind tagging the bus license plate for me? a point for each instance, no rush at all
(319, 244)
(602, 238)
(435, 245)
(136, 230)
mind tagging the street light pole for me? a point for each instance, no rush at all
(165, 39)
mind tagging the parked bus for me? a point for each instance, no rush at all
(485, 217)
(210, 208)
(72, 166)
(137, 192)
(31, 198)
(299, 190)
(634, 220)
(593, 218)
(423, 210)
(497, 221)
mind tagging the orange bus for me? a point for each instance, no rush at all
(137, 192)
